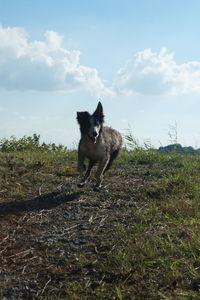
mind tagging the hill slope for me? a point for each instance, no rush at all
(136, 239)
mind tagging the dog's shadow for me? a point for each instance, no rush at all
(43, 202)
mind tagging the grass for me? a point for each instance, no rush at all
(137, 239)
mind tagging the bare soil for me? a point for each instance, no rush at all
(56, 241)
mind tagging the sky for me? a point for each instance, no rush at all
(140, 58)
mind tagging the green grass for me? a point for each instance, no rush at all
(26, 166)
(148, 249)
(159, 253)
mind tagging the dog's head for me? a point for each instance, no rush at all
(91, 125)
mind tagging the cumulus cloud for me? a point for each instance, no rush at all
(43, 65)
(150, 73)
(47, 66)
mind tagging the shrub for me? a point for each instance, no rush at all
(29, 143)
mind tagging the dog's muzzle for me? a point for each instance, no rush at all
(93, 137)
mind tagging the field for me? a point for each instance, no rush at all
(136, 239)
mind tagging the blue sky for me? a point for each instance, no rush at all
(140, 58)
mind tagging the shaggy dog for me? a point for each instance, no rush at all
(98, 144)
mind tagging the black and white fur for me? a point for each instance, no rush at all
(99, 144)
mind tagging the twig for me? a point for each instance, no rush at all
(3, 250)
(25, 252)
(23, 271)
(45, 286)
(91, 219)
(4, 239)
(40, 190)
(102, 221)
(68, 229)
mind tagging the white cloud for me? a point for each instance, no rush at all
(48, 66)
(149, 73)
(43, 65)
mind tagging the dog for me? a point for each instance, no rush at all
(99, 144)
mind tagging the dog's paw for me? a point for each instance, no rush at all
(80, 184)
(81, 168)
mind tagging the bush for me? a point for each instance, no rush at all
(28, 143)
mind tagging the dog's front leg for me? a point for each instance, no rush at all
(81, 166)
(87, 174)
(99, 174)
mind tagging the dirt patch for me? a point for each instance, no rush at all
(52, 241)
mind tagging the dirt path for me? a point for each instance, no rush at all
(54, 240)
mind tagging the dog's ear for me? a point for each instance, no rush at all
(82, 116)
(99, 112)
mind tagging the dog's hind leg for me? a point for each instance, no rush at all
(112, 158)
(100, 171)
(87, 174)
